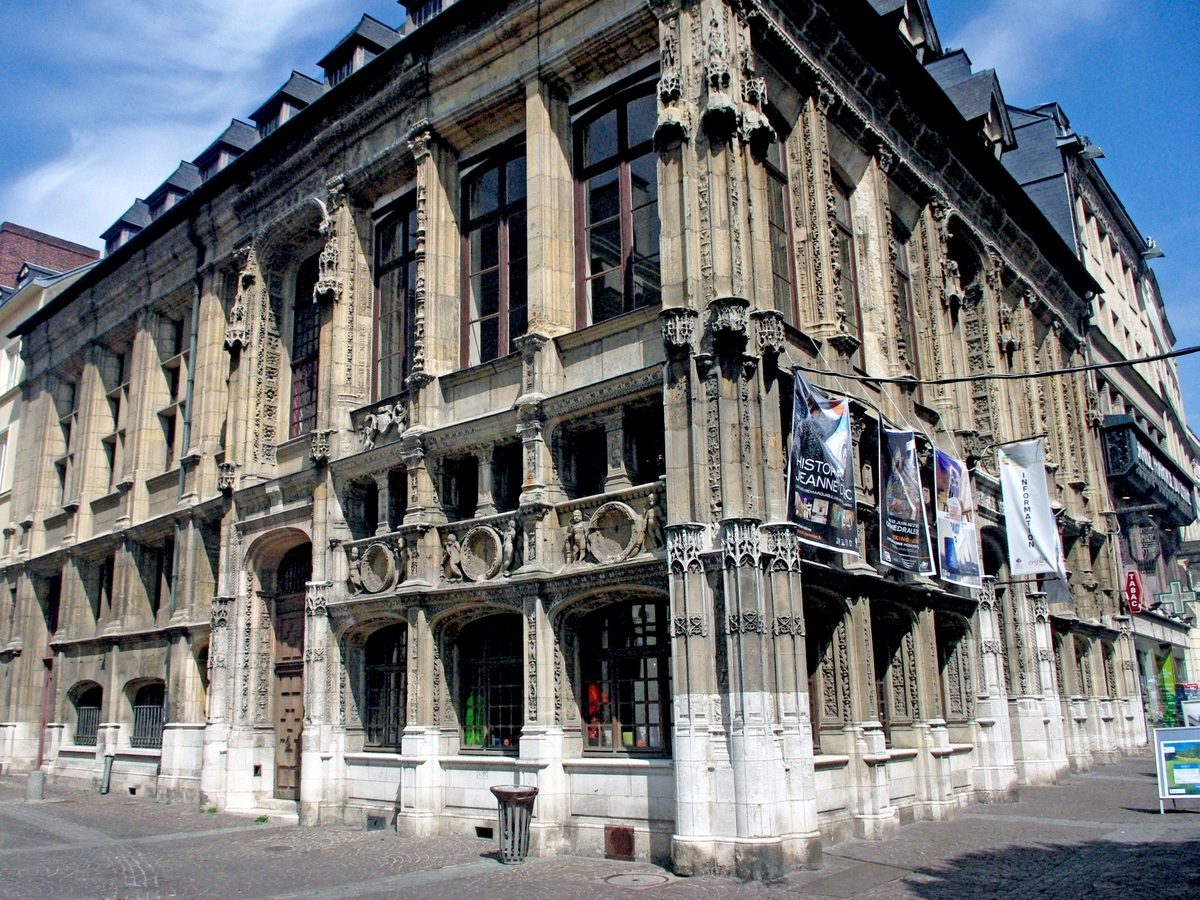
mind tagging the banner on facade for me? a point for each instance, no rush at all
(821, 470)
(957, 533)
(903, 530)
(1034, 547)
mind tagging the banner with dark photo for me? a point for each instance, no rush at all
(821, 470)
(957, 534)
(903, 532)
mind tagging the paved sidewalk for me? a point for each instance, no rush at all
(1099, 836)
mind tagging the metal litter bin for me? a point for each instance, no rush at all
(516, 809)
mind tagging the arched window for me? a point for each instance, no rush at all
(625, 659)
(306, 338)
(295, 569)
(148, 716)
(87, 715)
(492, 678)
(387, 686)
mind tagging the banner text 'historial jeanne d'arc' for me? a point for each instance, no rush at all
(821, 499)
(1034, 547)
(903, 532)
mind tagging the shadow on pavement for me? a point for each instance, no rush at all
(1093, 870)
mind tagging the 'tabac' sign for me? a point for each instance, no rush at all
(1134, 592)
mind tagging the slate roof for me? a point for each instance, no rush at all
(369, 32)
(973, 93)
(137, 216)
(300, 89)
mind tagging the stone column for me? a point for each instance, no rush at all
(550, 206)
(383, 494)
(617, 478)
(485, 504)
(874, 816)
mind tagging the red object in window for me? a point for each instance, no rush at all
(1135, 592)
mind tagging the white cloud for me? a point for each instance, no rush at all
(1028, 41)
(141, 84)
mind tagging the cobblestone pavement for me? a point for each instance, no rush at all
(1098, 836)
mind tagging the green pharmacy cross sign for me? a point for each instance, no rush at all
(1176, 597)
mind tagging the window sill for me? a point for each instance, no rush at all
(497, 366)
(167, 478)
(383, 758)
(489, 761)
(664, 763)
(625, 321)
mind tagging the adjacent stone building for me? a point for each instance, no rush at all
(438, 440)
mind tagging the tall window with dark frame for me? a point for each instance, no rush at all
(87, 715)
(492, 681)
(617, 202)
(306, 340)
(844, 236)
(295, 570)
(779, 223)
(905, 330)
(495, 279)
(625, 659)
(149, 716)
(395, 281)
(386, 657)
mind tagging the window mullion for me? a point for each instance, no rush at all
(502, 258)
(625, 188)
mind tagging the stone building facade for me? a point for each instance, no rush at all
(439, 441)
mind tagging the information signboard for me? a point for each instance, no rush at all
(1177, 758)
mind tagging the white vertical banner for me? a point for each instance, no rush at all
(1034, 547)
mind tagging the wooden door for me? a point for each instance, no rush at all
(289, 697)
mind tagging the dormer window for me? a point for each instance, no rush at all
(342, 72)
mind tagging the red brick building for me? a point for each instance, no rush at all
(20, 245)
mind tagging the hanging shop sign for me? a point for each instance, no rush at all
(903, 530)
(1145, 544)
(1137, 467)
(1135, 592)
(957, 534)
(1034, 547)
(821, 499)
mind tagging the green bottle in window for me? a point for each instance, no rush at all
(473, 724)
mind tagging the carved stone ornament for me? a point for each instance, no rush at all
(727, 317)
(227, 476)
(679, 328)
(614, 533)
(236, 329)
(739, 542)
(789, 625)
(780, 542)
(321, 445)
(747, 623)
(482, 553)
(992, 647)
(221, 607)
(329, 285)
(689, 626)
(685, 543)
(379, 421)
(316, 598)
(377, 569)
(768, 331)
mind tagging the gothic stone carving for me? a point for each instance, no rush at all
(316, 598)
(679, 328)
(379, 421)
(482, 553)
(685, 543)
(614, 533)
(321, 445)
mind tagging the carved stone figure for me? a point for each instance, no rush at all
(355, 576)
(451, 558)
(508, 541)
(576, 548)
(652, 525)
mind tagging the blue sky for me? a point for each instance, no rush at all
(102, 98)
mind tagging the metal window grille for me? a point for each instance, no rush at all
(147, 727)
(387, 685)
(87, 724)
(626, 670)
(493, 706)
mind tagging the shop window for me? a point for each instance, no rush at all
(149, 715)
(617, 198)
(386, 655)
(492, 679)
(395, 308)
(494, 271)
(625, 660)
(306, 340)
